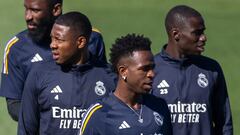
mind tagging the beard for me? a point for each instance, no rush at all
(42, 31)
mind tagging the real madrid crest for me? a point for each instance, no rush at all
(100, 90)
(158, 118)
(202, 80)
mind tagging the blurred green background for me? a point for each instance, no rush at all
(115, 18)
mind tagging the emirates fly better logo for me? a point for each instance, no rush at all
(187, 112)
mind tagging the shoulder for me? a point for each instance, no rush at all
(13, 50)
(93, 117)
(105, 71)
(41, 73)
(152, 99)
(158, 58)
(19, 38)
(161, 52)
(23, 34)
(96, 34)
(155, 103)
(205, 63)
(44, 67)
(203, 59)
(17, 42)
(100, 108)
(102, 66)
(95, 109)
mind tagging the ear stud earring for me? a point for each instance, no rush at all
(124, 78)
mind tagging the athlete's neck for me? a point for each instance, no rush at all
(173, 51)
(128, 97)
(83, 58)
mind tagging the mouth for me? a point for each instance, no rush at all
(55, 55)
(201, 48)
(31, 26)
(148, 85)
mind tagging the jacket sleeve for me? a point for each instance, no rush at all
(29, 115)
(12, 77)
(222, 117)
(13, 106)
(96, 46)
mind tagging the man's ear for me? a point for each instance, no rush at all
(81, 42)
(122, 70)
(175, 34)
(57, 9)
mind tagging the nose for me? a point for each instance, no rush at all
(28, 15)
(151, 74)
(53, 44)
(203, 38)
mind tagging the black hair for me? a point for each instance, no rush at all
(78, 23)
(177, 16)
(54, 2)
(126, 45)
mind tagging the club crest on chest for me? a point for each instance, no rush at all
(100, 89)
(158, 118)
(202, 80)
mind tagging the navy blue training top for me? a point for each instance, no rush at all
(21, 53)
(196, 93)
(111, 116)
(56, 97)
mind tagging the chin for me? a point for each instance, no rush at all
(36, 35)
(58, 62)
(198, 53)
(146, 91)
(195, 53)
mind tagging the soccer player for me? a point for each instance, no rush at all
(193, 85)
(31, 46)
(130, 110)
(56, 95)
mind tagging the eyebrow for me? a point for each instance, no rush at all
(151, 65)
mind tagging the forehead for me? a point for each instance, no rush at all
(141, 58)
(60, 30)
(37, 3)
(194, 23)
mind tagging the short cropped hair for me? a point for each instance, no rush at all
(54, 2)
(178, 15)
(125, 46)
(78, 23)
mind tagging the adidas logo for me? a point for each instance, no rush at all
(163, 87)
(56, 90)
(124, 125)
(36, 58)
